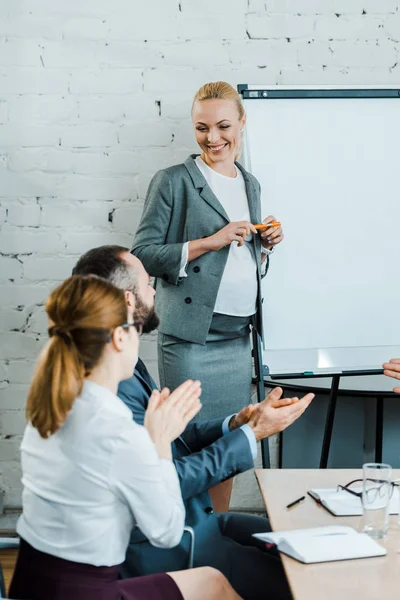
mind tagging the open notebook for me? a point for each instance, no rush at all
(323, 544)
(343, 504)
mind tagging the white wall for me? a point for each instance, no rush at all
(95, 96)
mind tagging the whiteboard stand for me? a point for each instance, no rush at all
(259, 372)
(262, 370)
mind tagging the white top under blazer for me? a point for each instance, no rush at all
(90, 483)
(237, 294)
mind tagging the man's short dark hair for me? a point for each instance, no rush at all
(106, 262)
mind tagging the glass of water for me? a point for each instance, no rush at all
(376, 494)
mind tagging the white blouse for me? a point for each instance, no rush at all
(90, 483)
(237, 294)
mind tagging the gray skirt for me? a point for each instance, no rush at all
(222, 364)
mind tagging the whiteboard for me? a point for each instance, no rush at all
(329, 169)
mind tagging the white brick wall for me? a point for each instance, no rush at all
(95, 96)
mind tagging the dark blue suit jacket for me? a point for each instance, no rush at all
(203, 457)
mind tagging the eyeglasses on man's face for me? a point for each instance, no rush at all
(138, 325)
(378, 489)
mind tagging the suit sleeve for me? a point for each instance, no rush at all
(224, 458)
(199, 435)
(159, 258)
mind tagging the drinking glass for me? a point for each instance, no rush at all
(376, 494)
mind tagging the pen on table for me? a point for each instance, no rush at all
(261, 226)
(296, 502)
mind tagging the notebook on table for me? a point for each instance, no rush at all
(323, 544)
(343, 504)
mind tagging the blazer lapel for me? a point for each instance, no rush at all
(252, 196)
(204, 189)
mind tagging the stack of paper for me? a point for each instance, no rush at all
(323, 544)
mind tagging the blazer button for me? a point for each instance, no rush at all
(165, 277)
(196, 269)
(188, 300)
(209, 510)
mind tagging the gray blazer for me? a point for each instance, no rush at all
(181, 207)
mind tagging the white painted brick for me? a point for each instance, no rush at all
(28, 27)
(107, 81)
(175, 106)
(337, 76)
(173, 80)
(43, 268)
(68, 54)
(30, 80)
(19, 345)
(39, 159)
(127, 218)
(370, 6)
(146, 134)
(196, 54)
(23, 214)
(77, 187)
(148, 157)
(392, 26)
(279, 26)
(3, 111)
(117, 108)
(143, 26)
(117, 163)
(12, 422)
(71, 8)
(81, 242)
(85, 29)
(11, 475)
(11, 319)
(45, 109)
(14, 240)
(293, 7)
(211, 27)
(10, 268)
(27, 184)
(352, 26)
(88, 136)
(184, 135)
(13, 397)
(20, 371)
(19, 52)
(211, 7)
(21, 135)
(3, 214)
(9, 448)
(38, 323)
(93, 214)
(130, 55)
(314, 53)
(3, 371)
(362, 54)
(257, 6)
(264, 52)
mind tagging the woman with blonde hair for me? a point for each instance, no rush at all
(89, 472)
(197, 237)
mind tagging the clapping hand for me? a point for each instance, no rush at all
(169, 413)
(274, 414)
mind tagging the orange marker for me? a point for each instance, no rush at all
(264, 226)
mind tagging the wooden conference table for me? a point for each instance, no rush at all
(365, 579)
